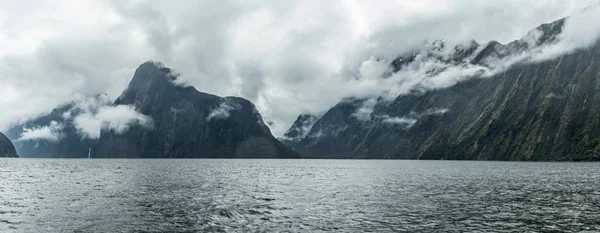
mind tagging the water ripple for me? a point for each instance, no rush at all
(40, 195)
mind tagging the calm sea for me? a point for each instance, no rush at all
(121, 195)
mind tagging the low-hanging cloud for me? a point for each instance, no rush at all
(412, 118)
(363, 113)
(52, 133)
(431, 70)
(306, 54)
(405, 121)
(301, 128)
(579, 32)
(174, 76)
(223, 111)
(89, 116)
(117, 119)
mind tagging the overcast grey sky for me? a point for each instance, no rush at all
(288, 57)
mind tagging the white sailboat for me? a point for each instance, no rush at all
(90, 153)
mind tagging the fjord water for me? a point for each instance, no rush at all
(89, 195)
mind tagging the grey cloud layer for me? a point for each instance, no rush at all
(89, 116)
(287, 57)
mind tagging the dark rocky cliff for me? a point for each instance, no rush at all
(546, 111)
(188, 123)
(7, 149)
(300, 127)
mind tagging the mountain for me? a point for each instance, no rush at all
(57, 136)
(188, 123)
(155, 117)
(300, 127)
(7, 149)
(532, 111)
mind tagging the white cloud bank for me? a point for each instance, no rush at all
(288, 57)
(412, 118)
(108, 118)
(580, 31)
(406, 121)
(52, 133)
(89, 116)
(430, 69)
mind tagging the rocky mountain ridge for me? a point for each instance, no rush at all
(542, 111)
(155, 117)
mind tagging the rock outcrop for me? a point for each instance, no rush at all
(7, 149)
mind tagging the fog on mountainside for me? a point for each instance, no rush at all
(300, 116)
(155, 117)
(444, 99)
(269, 52)
(532, 99)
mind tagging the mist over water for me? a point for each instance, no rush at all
(40, 195)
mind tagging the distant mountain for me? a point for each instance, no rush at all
(542, 111)
(301, 127)
(7, 149)
(174, 121)
(55, 133)
(188, 123)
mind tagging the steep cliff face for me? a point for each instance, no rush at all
(7, 149)
(299, 129)
(541, 111)
(155, 117)
(188, 123)
(326, 138)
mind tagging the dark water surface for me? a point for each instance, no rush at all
(44, 195)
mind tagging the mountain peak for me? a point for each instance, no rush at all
(301, 127)
(157, 66)
(150, 77)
